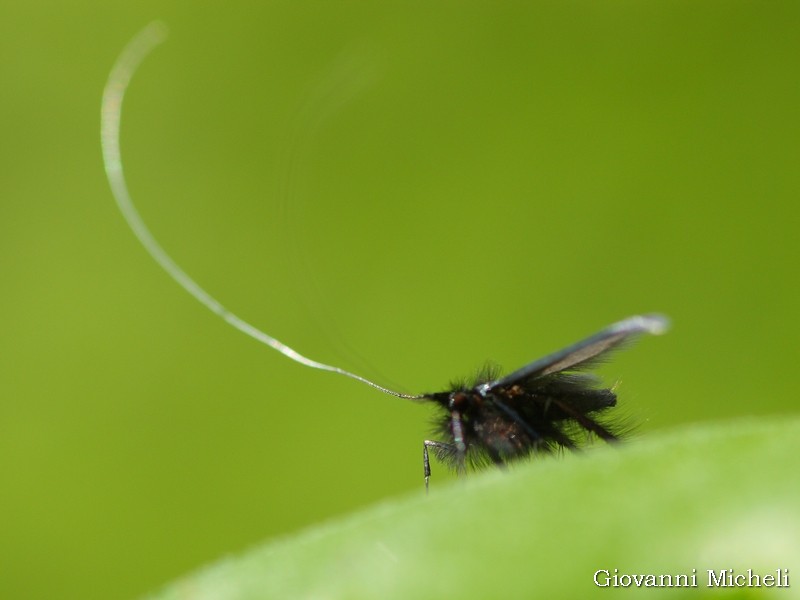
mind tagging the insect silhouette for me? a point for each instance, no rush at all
(547, 405)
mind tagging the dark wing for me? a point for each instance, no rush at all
(583, 352)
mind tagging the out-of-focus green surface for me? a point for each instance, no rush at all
(706, 498)
(417, 186)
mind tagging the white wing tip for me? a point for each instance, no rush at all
(655, 324)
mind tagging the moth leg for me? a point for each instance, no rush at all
(426, 463)
(496, 458)
(457, 427)
(587, 422)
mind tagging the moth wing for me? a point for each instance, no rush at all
(582, 353)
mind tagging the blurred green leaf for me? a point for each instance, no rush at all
(711, 497)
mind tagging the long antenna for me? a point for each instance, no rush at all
(113, 95)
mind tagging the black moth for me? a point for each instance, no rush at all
(544, 406)
(541, 407)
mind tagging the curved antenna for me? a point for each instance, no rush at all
(113, 95)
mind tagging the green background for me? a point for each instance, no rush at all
(402, 189)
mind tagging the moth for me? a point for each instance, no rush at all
(544, 406)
